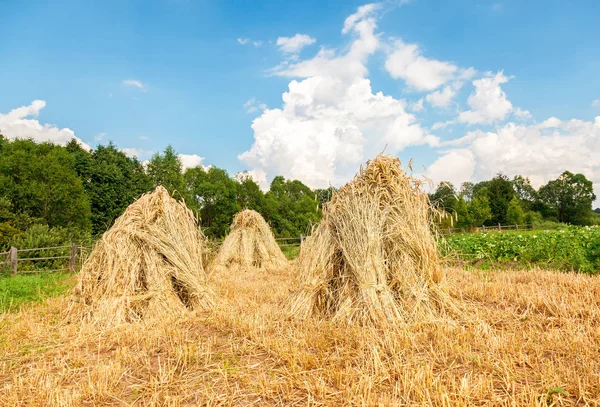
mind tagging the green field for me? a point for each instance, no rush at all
(570, 249)
(23, 288)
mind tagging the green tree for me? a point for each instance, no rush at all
(249, 195)
(215, 195)
(526, 194)
(466, 191)
(112, 181)
(463, 217)
(166, 169)
(444, 197)
(570, 196)
(499, 192)
(479, 210)
(290, 207)
(40, 181)
(515, 214)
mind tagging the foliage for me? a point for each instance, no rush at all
(40, 181)
(571, 248)
(166, 170)
(570, 196)
(215, 195)
(113, 182)
(515, 214)
(479, 210)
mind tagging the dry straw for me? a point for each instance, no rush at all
(373, 258)
(148, 264)
(250, 245)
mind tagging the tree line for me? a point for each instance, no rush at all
(51, 193)
(505, 201)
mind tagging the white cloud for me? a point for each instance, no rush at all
(191, 161)
(21, 123)
(253, 106)
(293, 45)
(540, 152)
(329, 63)
(416, 106)
(441, 98)
(258, 176)
(244, 41)
(489, 103)
(144, 138)
(331, 121)
(406, 62)
(135, 84)
(100, 136)
(136, 152)
(596, 103)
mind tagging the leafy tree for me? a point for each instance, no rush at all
(249, 195)
(570, 196)
(290, 207)
(597, 210)
(515, 214)
(324, 195)
(112, 182)
(166, 170)
(463, 217)
(466, 191)
(479, 210)
(445, 197)
(499, 191)
(40, 181)
(525, 192)
(215, 195)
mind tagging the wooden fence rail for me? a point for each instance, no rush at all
(12, 258)
(484, 229)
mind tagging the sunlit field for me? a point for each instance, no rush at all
(522, 338)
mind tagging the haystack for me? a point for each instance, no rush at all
(250, 245)
(148, 264)
(373, 258)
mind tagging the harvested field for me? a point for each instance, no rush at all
(526, 338)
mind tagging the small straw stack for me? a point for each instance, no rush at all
(148, 264)
(373, 258)
(250, 245)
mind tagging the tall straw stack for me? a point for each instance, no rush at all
(148, 264)
(250, 245)
(373, 258)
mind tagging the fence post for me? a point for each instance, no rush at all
(73, 258)
(13, 258)
(301, 238)
(517, 227)
(499, 228)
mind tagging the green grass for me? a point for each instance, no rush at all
(291, 252)
(572, 248)
(25, 288)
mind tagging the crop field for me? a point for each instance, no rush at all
(573, 248)
(364, 313)
(523, 338)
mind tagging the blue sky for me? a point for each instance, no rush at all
(468, 88)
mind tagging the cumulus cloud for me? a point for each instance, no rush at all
(489, 103)
(22, 123)
(406, 62)
(293, 45)
(134, 84)
(136, 152)
(331, 119)
(540, 152)
(596, 103)
(441, 98)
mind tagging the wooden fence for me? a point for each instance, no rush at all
(485, 229)
(71, 260)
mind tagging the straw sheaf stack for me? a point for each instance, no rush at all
(150, 263)
(373, 258)
(250, 245)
